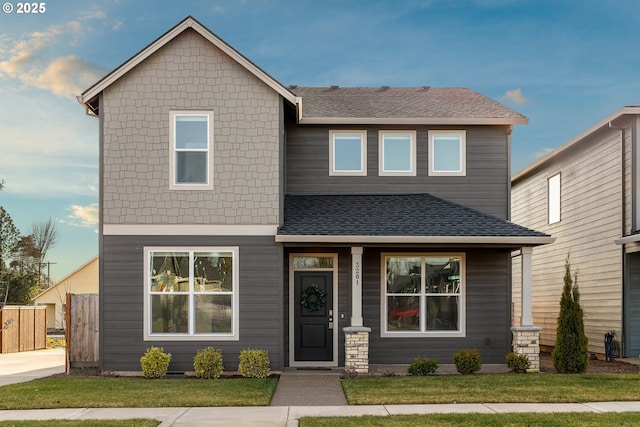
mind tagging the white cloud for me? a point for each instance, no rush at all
(29, 61)
(515, 96)
(117, 25)
(542, 153)
(84, 216)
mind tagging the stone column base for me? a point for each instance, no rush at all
(356, 348)
(526, 340)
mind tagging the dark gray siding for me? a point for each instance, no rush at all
(122, 296)
(487, 312)
(485, 188)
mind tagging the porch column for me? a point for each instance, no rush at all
(356, 336)
(356, 286)
(526, 282)
(526, 337)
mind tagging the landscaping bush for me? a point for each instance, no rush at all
(467, 361)
(423, 366)
(518, 363)
(570, 354)
(254, 363)
(207, 363)
(155, 362)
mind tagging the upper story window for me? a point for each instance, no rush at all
(397, 153)
(423, 295)
(191, 150)
(447, 153)
(191, 293)
(348, 153)
(553, 185)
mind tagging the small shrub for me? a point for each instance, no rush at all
(155, 362)
(467, 361)
(254, 363)
(423, 366)
(207, 363)
(518, 363)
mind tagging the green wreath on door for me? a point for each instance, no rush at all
(313, 298)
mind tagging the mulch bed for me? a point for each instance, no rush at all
(596, 366)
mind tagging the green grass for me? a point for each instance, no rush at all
(582, 419)
(110, 392)
(506, 388)
(82, 423)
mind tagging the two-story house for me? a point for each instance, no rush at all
(586, 194)
(330, 226)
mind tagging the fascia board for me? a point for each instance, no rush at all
(507, 240)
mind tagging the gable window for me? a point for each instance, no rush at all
(553, 185)
(397, 153)
(447, 153)
(191, 150)
(191, 293)
(348, 153)
(422, 295)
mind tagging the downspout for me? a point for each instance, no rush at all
(622, 234)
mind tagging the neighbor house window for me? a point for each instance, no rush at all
(191, 293)
(422, 295)
(447, 153)
(191, 150)
(348, 153)
(397, 153)
(554, 198)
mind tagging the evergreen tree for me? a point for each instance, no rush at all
(571, 354)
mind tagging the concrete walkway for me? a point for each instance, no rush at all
(309, 388)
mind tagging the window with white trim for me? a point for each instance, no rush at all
(553, 186)
(348, 153)
(423, 295)
(191, 293)
(191, 150)
(447, 153)
(397, 153)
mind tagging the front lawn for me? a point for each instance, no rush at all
(503, 388)
(112, 392)
(580, 419)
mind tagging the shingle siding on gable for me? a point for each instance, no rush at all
(190, 73)
(485, 188)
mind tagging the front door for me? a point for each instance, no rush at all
(313, 316)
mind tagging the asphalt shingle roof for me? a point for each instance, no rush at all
(399, 103)
(390, 215)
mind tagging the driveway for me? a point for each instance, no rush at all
(29, 365)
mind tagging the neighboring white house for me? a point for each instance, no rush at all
(586, 194)
(84, 280)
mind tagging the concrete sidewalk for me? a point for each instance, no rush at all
(288, 416)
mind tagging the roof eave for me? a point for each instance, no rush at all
(487, 240)
(189, 22)
(462, 121)
(558, 151)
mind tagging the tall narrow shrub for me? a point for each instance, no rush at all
(570, 354)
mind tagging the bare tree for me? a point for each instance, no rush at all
(1, 184)
(44, 235)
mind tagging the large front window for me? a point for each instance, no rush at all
(191, 293)
(423, 294)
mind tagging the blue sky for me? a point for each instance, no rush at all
(563, 64)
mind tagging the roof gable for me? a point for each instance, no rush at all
(89, 95)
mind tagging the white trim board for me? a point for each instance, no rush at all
(188, 230)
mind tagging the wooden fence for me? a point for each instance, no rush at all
(82, 330)
(24, 328)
